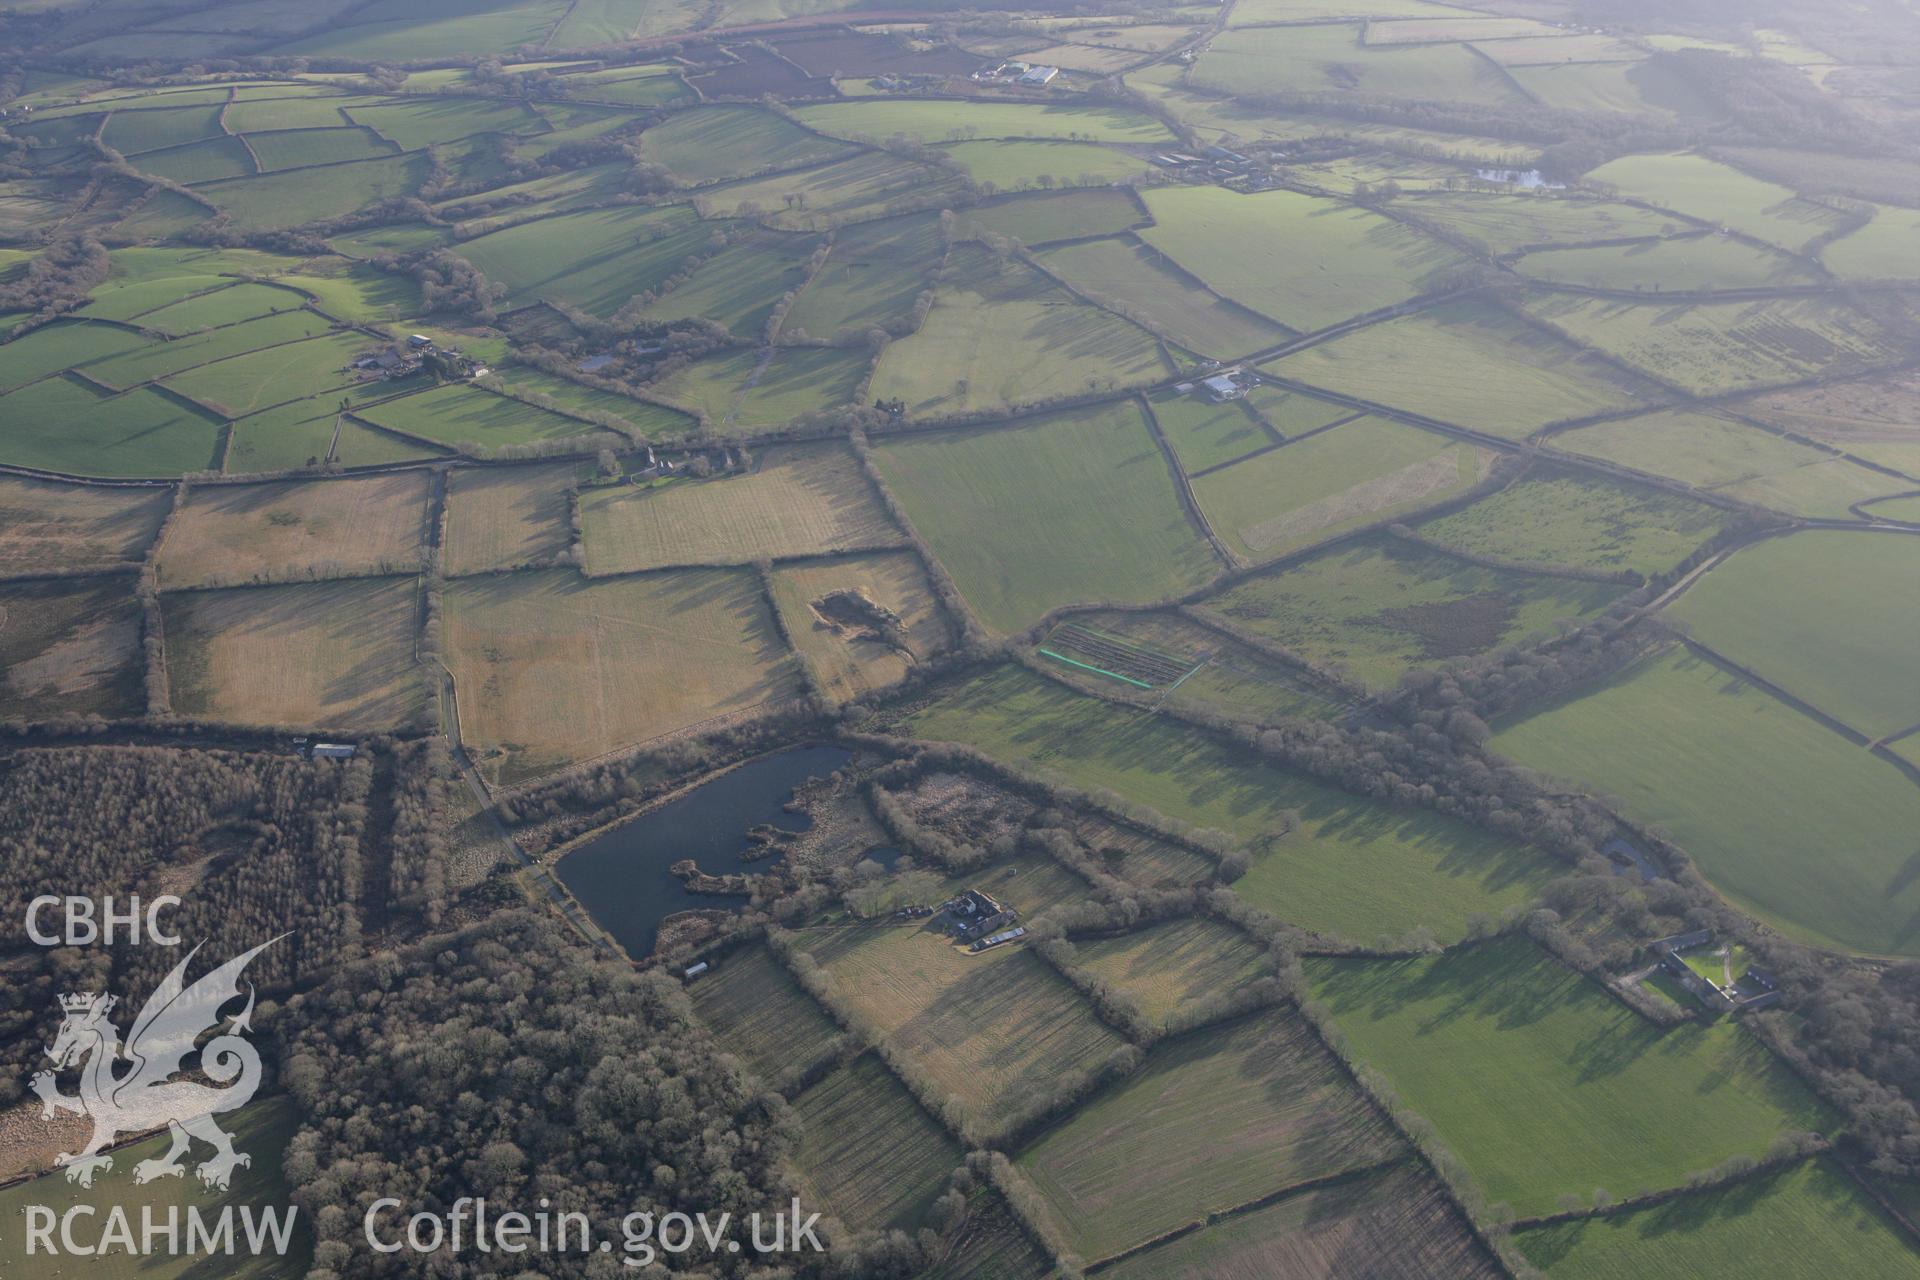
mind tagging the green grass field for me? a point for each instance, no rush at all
(65, 425)
(1303, 261)
(958, 121)
(797, 501)
(263, 1130)
(140, 280)
(1627, 88)
(1903, 1192)
(1732, 458)
(712, 144)
(245, 384)
(645, 419)
(1355, 474)
(1135, 280)
(1809, 1220)
(465, 416)
(1346, 175)
(1744, 782)
(1509, 223)
(1828, 616)
(1025, 166)
(1295, 413)
(867, 184)
(868, 1152)
(1037, 218)
(1469, 363)
(296, 434)
(739, 286)
(371, 242)
(1001, 335)
(1580, 521)
(1084, 509)
(433, 31)
(227, 305)
(199, 162)
(1208, 435)
(1324, 860)
(1213, 117)
(1214, 1120)
(1265, 12)
(760, 1015)
(660, 87)
(275, 201)
(163, 213)
(1720, 195)
(291, 149)
(1553, 46)
(1377, 608)
(871, 278)
(1439, 30)
(1907, 509)
(302, 432)
(1695, 264)
(307, 112)
(355, 293)
(1332, 60)
(1884, 249)
(568, 191)
(1544, 1085)
(426, 122)
(131, 132)
(54, 347)
(1227, 677)
(160, 359)
(748, 390)
(1713, 348)
(596, 259)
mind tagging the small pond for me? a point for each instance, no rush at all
(621, 877)
(884, 854)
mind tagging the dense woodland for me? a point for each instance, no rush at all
(502, 1061)
(255, 845)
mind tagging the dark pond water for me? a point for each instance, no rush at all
(621, 878)
(1628, 859)
(884, 854)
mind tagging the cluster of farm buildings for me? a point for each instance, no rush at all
(1221, 385)
(394, 363)
(1026, 73)
(974, 917)
(1754, 989)
(1250, 170)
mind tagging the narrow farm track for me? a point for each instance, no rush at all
(1188, 502)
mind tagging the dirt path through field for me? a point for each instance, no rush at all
(753, 380)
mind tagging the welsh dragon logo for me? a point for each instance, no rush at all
(146, 1096)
